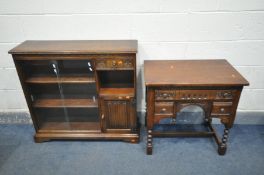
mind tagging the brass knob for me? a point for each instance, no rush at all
(222, 109)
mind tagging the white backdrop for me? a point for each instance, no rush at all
(165, 29)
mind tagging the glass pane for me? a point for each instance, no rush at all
(63, 94)
(38, 68)
(76, 119)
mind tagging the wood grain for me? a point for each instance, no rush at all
(117, 92)
(68, 79)
(69, 126)
(44, 109)
(69, 103)
(75, 47)
(213, 85)
(192, 72)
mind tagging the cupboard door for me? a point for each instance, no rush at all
(118, 115)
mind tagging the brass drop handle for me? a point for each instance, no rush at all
(114, 63)
(120, 63)
(165, 95)
(163, 110)
(227, 94)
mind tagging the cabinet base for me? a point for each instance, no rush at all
(127, 137)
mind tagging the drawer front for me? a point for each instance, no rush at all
(225, 94)
(196, 94)
(207, 94)
(164, 108)
(105, 64)
(165, 94)
(222, 108)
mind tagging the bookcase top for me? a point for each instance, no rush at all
(75, 47)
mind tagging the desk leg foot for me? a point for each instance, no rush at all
(149, 150)
(207, 121)
(221, 150)
(149, 142)
(222, 147)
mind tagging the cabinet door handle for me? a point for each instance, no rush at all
(103, 116)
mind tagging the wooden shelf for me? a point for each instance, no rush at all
(68, 103)
(69, 126)
(114, 69)
(117, 92)
(65, 79)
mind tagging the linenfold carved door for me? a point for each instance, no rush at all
(118, 115)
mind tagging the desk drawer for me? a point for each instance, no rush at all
(225, 94)
(222, 108)
(196, 94)
(165, 94)
(164, 108)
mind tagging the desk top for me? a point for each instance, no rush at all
(75, 47)
(192, 73)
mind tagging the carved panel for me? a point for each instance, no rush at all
(119, 114)
(165, 94)
(225, 94)
(126, 63)
(116, 114)
(196, 94)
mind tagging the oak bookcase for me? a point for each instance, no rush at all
(80, 89)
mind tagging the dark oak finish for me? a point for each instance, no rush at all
(68, 79)
(199, 73)
(172, 85)
(68, 103)
(117, 92)
(80, 89)
(76, 47)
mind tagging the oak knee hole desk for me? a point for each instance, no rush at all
(172, 85)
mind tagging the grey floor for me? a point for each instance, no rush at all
(20, 155)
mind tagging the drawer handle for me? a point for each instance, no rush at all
(165, 95)
(114, 64)
(128, 64)
(163, 110)
(226, 94)
(222, 109)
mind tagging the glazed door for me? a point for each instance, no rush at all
(61, 94)
(118, 115)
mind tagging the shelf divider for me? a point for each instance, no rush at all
(68, 103)
(117, 92)
(63, 79)
(70, 127)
